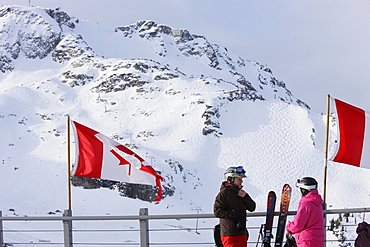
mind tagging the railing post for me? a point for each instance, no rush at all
(144, 228)
(67, 227)
(1, 230)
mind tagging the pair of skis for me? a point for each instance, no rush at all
(284, 206)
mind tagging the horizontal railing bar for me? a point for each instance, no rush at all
(184, 229)
(27, 230)
(38, 243)
(106, 230)
(162, 217)
(137, 244)
(59, 218)
(132, 244)
(174, 244)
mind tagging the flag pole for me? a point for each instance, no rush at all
(326, 157)
(69, 164)
(326, 145)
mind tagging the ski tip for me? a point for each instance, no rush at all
(287, 187)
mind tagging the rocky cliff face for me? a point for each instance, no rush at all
(232, 67)
(31, 32)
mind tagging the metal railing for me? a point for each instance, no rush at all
(70, 229)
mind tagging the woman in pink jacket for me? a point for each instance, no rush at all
(308, 224)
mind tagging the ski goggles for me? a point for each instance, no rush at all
(300, 184)
(240, 169)
(235, 172)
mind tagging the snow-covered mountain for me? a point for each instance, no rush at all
(189, 107)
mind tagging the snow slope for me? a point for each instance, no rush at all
(192, 109)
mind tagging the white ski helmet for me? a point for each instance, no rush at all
(234, 172)
(307, 183)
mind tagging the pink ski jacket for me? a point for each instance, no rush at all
(308, 224)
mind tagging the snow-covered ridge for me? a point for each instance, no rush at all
(32, 32)
(36, 32)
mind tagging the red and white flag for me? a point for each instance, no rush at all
(98, 156)
(354, 135)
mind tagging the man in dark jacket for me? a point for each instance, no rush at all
(230, 206)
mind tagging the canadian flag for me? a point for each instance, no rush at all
(98, 156)
(354, 135)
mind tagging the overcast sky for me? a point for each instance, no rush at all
(317, 47)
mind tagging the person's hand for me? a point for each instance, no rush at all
(242, 193)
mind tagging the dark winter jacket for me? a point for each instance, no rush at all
(231, 209)
(363, 238)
